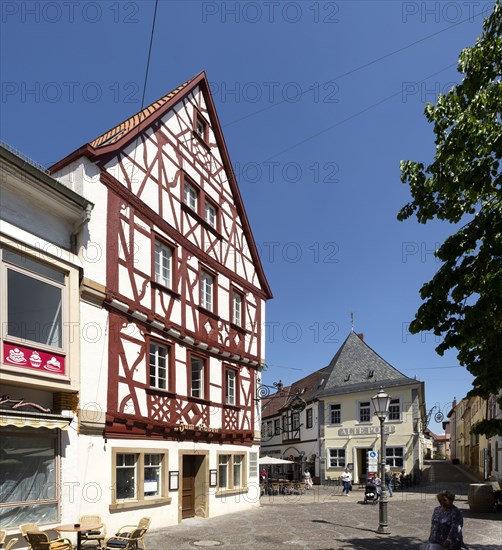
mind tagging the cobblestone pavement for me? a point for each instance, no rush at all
(323, 519)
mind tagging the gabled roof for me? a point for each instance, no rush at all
(357, 367)
(121, 135)
(307, 389)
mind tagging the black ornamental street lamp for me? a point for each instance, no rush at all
(381, 402)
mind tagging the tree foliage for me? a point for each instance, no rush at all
(463, 301)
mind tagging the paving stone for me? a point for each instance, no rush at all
(321, 519)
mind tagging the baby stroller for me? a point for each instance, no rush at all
(370, 493)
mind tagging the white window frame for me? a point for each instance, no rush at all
(364, 406)
(207, 290)
(190, 196)
(395, 415)
(201, 127)
(336, 458)
(211, 214)
(395, 460)
(333, 409)
(163, 264)
(230, 386)
(40, 277)
(133, 468)
(157, 379)
(237, 301)
(197, 389)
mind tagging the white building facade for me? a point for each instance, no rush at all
(41, 224)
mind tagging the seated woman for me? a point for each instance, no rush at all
(447, 523)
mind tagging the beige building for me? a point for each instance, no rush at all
(352, 431)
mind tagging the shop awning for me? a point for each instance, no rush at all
(20, 419)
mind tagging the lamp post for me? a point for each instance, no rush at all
(381, 402)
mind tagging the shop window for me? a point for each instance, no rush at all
(138, 477)
(29, 489)
(231, 471)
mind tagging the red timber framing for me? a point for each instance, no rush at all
(144, 164)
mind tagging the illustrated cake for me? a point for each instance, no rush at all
(16, 356)
(53, 364)
(35, 359)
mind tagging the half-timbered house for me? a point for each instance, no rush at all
(173, 306)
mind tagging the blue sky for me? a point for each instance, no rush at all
(318, 100)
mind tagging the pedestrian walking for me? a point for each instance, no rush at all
(346, 478)
(307, 479)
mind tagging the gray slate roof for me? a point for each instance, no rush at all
(356, 367)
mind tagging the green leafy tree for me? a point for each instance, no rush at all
(463, 301)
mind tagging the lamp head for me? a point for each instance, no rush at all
(381, 403)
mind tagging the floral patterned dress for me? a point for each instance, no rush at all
(447, 524)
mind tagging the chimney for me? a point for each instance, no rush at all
(361, 335)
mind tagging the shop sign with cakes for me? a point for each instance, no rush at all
(30, 358)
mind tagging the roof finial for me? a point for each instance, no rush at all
(352, 320)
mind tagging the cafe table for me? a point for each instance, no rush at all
(78, 528)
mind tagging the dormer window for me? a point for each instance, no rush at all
(371, 373)
(347, 377)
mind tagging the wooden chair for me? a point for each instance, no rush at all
(11, 543)
(97, 535)
(38, 540)
(3, 534)
(126, 541)
(126, 530)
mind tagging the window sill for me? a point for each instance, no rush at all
(201, 220)
(238, 328)
(129, 505)
(159, 391)
(208, 313)
(201, 140)
(200, 400)
(160, 286)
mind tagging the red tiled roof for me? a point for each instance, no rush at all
(133, 122)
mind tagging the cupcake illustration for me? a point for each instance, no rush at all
(53, 364)
(35, 360)
(16, 356)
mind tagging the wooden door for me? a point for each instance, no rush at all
(188, 488)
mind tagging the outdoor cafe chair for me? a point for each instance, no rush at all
(11, 543)
(38, 540)
(143, 523)
(126, 541)
(24, 528)
(96, 535)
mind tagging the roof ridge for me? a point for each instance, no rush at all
(135, 120)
